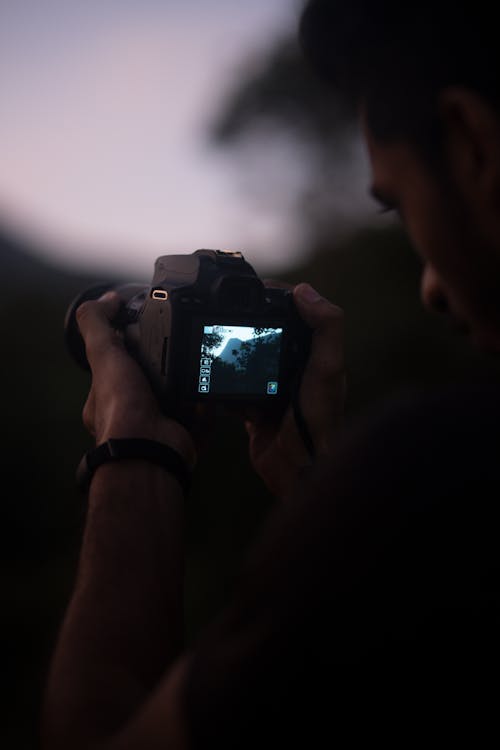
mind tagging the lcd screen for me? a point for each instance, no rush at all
(240, 360)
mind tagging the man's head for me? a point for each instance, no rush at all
(426, 80)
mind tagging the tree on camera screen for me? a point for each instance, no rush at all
(240, 360)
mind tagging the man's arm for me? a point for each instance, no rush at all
(118, 676)
(123, 629)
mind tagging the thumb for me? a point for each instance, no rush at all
(323, 382)
(312, 307)
(325, 320)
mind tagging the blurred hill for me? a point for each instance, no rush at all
(41, 390)
(391, 344)
(42, 394)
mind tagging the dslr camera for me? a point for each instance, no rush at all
(207, 330)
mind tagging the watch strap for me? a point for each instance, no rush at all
(119, 449)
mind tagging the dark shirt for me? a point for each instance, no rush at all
(369, 610)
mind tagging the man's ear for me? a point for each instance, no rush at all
(471, 133)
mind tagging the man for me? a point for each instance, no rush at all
(369, 608)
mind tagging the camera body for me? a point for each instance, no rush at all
(208, 330)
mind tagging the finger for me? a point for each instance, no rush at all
(252, 414)
(100, 311)
(250, 427)
(323, 388)
(327, 323)
(93, 318)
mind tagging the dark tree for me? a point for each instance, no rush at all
(211, 341)
(279, 95)
(281, 90)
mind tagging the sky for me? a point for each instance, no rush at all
(104, 110)
(243, 333)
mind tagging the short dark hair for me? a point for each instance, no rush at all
(395, 58)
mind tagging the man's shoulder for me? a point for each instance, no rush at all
(384, 563)
(453, 400)
(450, 430)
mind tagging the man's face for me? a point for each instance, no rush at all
(458, 244)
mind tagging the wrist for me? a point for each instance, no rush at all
(125, 450)
(160, 430)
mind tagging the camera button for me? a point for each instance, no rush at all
(159, 294)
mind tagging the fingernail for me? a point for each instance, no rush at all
(308, 294)
(106, 296)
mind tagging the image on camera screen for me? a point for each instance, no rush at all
(240, 360)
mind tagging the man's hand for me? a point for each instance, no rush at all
(111, 684)
(277, 451)
(121, 403)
